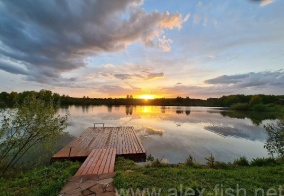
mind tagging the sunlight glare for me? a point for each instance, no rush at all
(146, 97)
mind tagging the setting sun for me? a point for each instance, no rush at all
(146, 97)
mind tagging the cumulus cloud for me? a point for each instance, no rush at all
(165, 43)
(52, 37)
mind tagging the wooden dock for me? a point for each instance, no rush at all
(98, 147)
(123, 139)
(99, 161)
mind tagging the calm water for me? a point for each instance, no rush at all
(174, 132)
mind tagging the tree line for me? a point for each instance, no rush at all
(13, 98)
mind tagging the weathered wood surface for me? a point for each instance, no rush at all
(123, 139)
(99, 161)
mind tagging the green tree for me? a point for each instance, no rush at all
(275, 141)
(255, 99)
(32, 124)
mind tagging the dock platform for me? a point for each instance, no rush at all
(123, 139)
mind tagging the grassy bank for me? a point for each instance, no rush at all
(45, 180)
(264, 174)
(261, 173)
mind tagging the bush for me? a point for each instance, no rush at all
(280, 160)
(33, 124)
(150, 158)
(263, 162)
(242, 161)
(189, 161)
(255, 99)
(158, 163)
(221, 165)
(192, 163)
(259, 108)
(240, 106)
(275, 141)
(210, 161)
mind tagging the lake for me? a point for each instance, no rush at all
(173, 133)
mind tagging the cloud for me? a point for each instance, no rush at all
(155, 75)
(115, 90)
(252, 79)
(126, 71)
(196, 19)
(263, 2)
(268, 82)
(186, 18)
(148, 76)
(123, 76)
(194, 91)
(51, 37)
(11, 67)
(165, 43)
(225, 79)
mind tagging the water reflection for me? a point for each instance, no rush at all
(175, 132)
(255, 117)
(151, 131)
(129, 110)
(109, 108)
(187, 112)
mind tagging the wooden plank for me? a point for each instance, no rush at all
(127, 142)
(119, 140)
(90, 161)
(95, 160)
(136, 150)
(122, 149)
(132, 145)
(105, 165)
(139, 142)
(83, 166)
(136, 142)
(112, 162)
(100, 161)
(98, 164)
(114, 138)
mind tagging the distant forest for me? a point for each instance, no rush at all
(13, 98)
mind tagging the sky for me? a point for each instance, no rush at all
(159, 48)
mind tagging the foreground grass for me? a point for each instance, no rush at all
(42, 181)
(182, 178)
